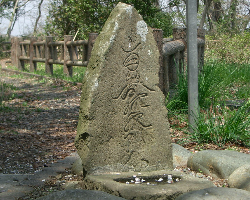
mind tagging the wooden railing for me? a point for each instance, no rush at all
(173, 54)
(67, 53)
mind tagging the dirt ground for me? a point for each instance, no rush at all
(37, 124)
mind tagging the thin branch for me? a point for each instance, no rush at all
(39, 15)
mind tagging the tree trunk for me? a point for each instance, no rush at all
(38, 17)
(232, 12)
(12, 18)
(205, 12)
(217, 12)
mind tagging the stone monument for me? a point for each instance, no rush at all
(123, 124)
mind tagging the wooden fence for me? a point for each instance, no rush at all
(173, 54)
(5, 49)
(67, 53)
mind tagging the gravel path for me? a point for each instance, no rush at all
(37, 123)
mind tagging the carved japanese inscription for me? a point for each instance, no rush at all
(135, 92)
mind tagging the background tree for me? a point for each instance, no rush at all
(84, 16)
(12, 9)
(38, 17)
(216, 16)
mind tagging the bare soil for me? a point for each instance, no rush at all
(37, 123)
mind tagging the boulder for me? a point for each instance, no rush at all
(180, 155)
(123, 123)
(77, 167)
(151, 189)
(216, 193)
(240, 178)
(217, 163)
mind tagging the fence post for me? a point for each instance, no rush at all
(201, 34)
(33, 65)
(158, 35)
(19, 63)
(48, 52)
(40, 49)
(13, 51)
(181, 34)
(166, 75)
(67, 55)
(92, 37)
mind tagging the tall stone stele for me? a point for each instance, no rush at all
(123, 124)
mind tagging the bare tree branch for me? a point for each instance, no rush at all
(205, 12)
(38, 17)
(12, 18)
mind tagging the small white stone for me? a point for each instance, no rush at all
(137, 179)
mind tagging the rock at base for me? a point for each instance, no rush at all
(240, 178)
(180, 155)
(145, 191)
(217, 163)
(216, 194)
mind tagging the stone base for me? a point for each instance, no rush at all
(106, 183)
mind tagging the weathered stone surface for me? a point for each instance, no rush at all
(216, 193)
(240, 178)
(77, 167)
(180, 158)
(123, 123)
(144, 191)
(14, 186)
(180, 155)
(79, 194)
(218, 163)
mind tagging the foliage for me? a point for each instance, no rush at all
(162, 20)
(227, 127)
(6, 93)
(218, 83)
(4, 47)
(180, 100)
(5, 5)
(69, 17)
(229, 48)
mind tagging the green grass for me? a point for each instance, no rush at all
(7, 92)
(223, 127)
(218, 82)
(229, 48)
(78, 72)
